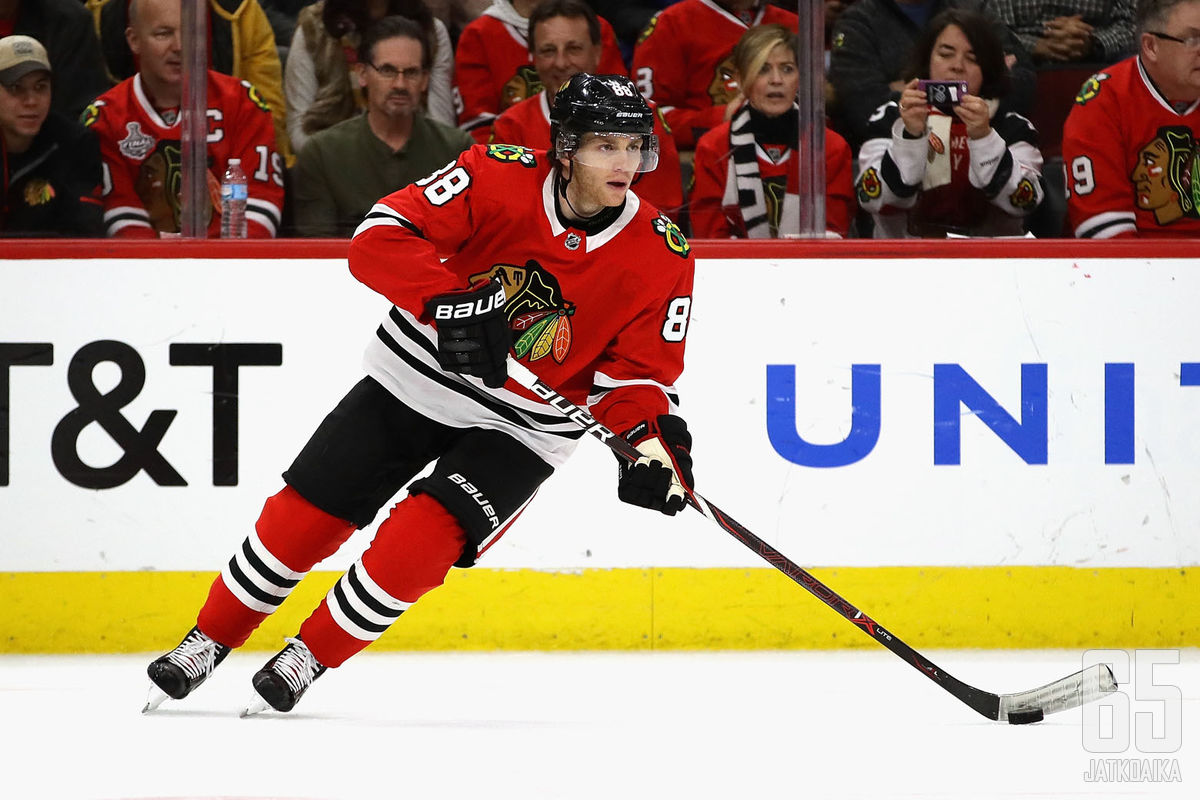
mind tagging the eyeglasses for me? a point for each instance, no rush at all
(1191, 42)
(391, 73)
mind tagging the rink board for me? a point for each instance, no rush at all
(996, 448)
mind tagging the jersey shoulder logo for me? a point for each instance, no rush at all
(255, 97)
(1024, 195)
(91, 114)
(136, 145)
(677, 243)
(1166, 175)
(539, 315)
(1090, 89)
(649, 29)
(869, 185)
(511, 153)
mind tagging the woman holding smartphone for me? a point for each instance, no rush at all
(961, 164)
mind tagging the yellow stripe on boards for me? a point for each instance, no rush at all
(633, 609)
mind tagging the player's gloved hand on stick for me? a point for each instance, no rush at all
(473, 332)
(658, 479)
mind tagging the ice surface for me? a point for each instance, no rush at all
(828, 725)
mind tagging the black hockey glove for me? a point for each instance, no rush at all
(473, 332)
(658, 479)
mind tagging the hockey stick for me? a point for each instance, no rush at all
(1018, 708)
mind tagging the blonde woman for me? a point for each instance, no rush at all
(746, 172)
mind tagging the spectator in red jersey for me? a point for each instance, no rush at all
(1130, 143)
(966, 166)
(64, 28)
(746, 174)
(49, 164)
(564, 38)
(683, 61)
(138, 124)
(492, 68)
(241, 44)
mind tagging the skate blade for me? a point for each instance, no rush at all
(154, 699)
(254, 707)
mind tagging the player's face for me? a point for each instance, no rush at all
(953, 59)
(1151, 188)
(602, 171)
(394, 81)
(562, 48)
(154, 37)
(23, 108)
(1174, 66)
(774, 89)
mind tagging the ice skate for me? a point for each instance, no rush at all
(285, 678)
(177, 673)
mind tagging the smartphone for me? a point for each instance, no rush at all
(944, 95)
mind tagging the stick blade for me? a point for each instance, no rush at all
(1070, 692)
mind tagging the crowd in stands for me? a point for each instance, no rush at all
(1059, 118)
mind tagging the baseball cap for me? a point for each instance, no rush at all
(19, 56)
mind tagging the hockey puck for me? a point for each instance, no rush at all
(1025, 717)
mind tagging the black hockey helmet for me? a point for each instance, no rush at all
(601, 104)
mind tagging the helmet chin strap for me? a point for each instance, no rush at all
(563, 182)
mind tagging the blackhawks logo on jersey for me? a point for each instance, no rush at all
(1090, 88)
(510, 152)
(1166, 177)
(723, 87)
(524, 84)
(676, 242)
(649, 29)
(255, 97)
(1024, 195)
(537, 312)
(90, 114)
(869, 185)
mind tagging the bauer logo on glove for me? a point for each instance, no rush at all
(473, 332)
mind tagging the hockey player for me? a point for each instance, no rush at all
(138, 124)
(549, 259)
(1130, 145)
(492, 68)
(683, 60)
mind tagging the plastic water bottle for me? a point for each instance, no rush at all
(233, 201)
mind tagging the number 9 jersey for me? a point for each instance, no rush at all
(1131, 158)
(600, 311)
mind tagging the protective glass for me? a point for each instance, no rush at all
(612, 151)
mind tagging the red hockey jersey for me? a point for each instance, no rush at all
(713, 202)
(493, 70)
(682, 61)
(528, 124)
(1131, 158)
(142, 158)
(602, 316)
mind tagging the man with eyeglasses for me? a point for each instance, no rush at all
(1129, 145)
(342, 170)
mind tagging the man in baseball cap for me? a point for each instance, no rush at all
(19, 56)
(50, 165)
